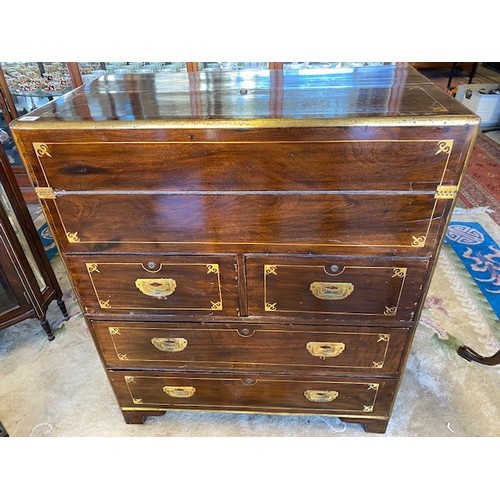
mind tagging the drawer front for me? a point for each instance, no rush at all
(246, 346)
(334, 287)
(182, 222)
(156, 284)
(370, 397)
(247, 166)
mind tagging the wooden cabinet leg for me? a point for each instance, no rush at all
(375, 425)
(62, 306)
(138, 417)
(46, 327)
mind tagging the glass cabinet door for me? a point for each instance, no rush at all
(91, 70)
(232, 66)
(12, 299)
(33, 84)
(6, 141)
(8, 301)
(8, 214)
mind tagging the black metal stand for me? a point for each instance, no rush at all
(471, 355)
(472, 73)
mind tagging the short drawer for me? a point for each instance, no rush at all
(370, 397)
(269, 348)
(334, 287)
(156, 284)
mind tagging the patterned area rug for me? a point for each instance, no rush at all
(463, 314)
(46, 237)
(481, 185)
(480, 255)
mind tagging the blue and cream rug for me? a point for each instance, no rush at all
(45, 236)
(480, 254)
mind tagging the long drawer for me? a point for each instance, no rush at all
(157, 284)
(335, 287)
(353, 396)
(239, 222)
(229, 347)
(247, 165)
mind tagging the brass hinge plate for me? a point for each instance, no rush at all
(446, 192)
(45, 193)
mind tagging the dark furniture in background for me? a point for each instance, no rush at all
(27, 281)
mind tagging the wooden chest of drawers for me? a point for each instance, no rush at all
(251, 242)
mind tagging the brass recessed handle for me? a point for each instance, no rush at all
(158, 288)
(320, 396)
(179, 392)
(325, 349)
(327, 290)
(173, 344)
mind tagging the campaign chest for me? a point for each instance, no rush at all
(251, 241)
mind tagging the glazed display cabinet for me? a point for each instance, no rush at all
(27, 281)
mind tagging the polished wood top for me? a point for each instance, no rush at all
(267, 98)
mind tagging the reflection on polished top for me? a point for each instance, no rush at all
(271, 97)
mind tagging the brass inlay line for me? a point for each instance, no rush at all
(437, 106)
